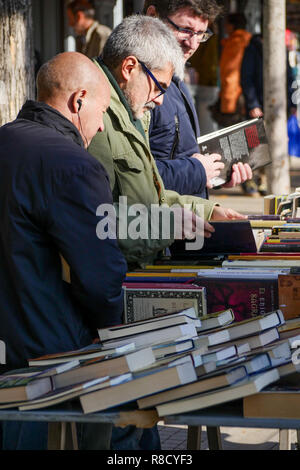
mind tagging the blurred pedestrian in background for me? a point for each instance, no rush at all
(90, 35)
(231, 99)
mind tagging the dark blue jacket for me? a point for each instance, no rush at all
(50, 188)
(252, 74)
(173, 136)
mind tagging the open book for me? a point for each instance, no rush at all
(244, 142)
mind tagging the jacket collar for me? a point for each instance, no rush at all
(90, 31)
(45, 115)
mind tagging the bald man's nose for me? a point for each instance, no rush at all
(101, 127)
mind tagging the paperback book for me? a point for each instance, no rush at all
(244, 142)
(249, 386)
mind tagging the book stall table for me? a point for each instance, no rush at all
(62, 433)
(62, 419)
(229, 415)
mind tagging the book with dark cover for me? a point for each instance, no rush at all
(234, 236)
(282, 246)
(247, 297)
(244, 142)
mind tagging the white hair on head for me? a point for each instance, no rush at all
(149, 40)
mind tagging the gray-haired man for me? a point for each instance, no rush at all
(139, 59)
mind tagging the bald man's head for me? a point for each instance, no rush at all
(69, 77)
(65, 73)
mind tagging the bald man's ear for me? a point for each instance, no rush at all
(151, 11)
(77, 101)
(128, 66)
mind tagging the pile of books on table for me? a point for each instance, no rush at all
(173, 363)
(200, 329)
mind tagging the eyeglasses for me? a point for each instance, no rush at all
(184, 33)
(147, 71)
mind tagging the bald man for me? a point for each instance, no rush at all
(50, 188)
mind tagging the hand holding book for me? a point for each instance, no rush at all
(240, 173)
(211, 162)
(212, 166)
(245, 142)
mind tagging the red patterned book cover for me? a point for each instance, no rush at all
(246, 297)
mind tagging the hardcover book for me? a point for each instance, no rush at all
(234, 236)
(151, 300)
(244, 142)
(246, 297)
(281, 246)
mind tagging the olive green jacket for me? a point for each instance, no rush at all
(123, 149)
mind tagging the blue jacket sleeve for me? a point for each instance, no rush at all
(185, 175)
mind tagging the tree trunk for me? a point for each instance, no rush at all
(16, 57)
(275, 94)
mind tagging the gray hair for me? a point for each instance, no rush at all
(149, 40)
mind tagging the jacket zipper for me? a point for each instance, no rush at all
(176, 139)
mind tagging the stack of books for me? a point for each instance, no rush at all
(284, 205)
(218, 327)
(174, 363)
(283, 238)
(247, 292)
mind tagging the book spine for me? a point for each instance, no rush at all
(280, 247)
